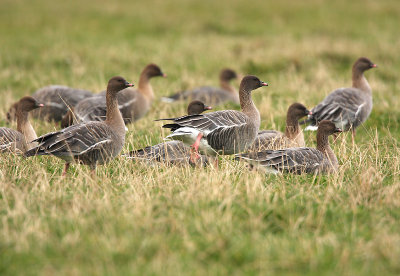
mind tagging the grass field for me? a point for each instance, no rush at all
(135, 219)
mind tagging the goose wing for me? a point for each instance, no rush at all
(213, 122)
(341, 106)
(199, 93)
(9, 138)
(267, 139)
(228, 131)
(293, 160)
(161, 152)
(74, 140)
(91, 109)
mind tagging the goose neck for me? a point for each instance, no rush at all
(292, 127)
(324, 147)
(248, 107)
(145, 87)
(25, 127)
(226, 85)
(360, 82)
(113, 115)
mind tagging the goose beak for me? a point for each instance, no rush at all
(264, 84)
(163, 75)
(129, 84)
(40, 105)
(338, 130)
(374, 66)
(207, 108)
(308, 112)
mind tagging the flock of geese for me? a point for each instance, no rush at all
(93, 126)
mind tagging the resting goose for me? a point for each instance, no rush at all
(57, 100)
(299, 160)
(133, 103)
(209, 94)
(293, 136)
(90, 143)
(171, 152)
(224, 132)
(347, 107)
(20, 140)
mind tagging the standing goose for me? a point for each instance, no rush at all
(171, 152)
(90, 143)
(293, 136)
(299, 160)
(209, 94)
(21, 139)
(225, 132)
(57, 100)
(347, 107)
(133, 103)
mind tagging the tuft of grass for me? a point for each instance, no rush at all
(140, 219)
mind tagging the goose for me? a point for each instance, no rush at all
(57, 99)
(133, 103)
(299, 160)
(225, 132)
(293, 136)
(20, 140)
(208, 94)
(347, 107)
(90, 143)
(171, 152)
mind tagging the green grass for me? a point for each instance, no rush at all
(136, 219)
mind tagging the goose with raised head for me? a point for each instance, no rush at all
(133, 103)
(20, 140)
(172, 152)
(299, 160)
(348, 107)
(221, 132)
(293, 136)
(57, 100)
(90, 143)
(212, 95)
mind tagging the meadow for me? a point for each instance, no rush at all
(136, 219)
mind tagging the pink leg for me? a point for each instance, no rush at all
(66, 167)
(216, 162)
(353, 135)
(194, 152)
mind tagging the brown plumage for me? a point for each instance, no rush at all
(299, 160)
(212, 95)
(133, 103)
(90, 143)
(172, 152)
(224, 132)
(20, 140)
(349, 107)
(57, 100)
(293, 136)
